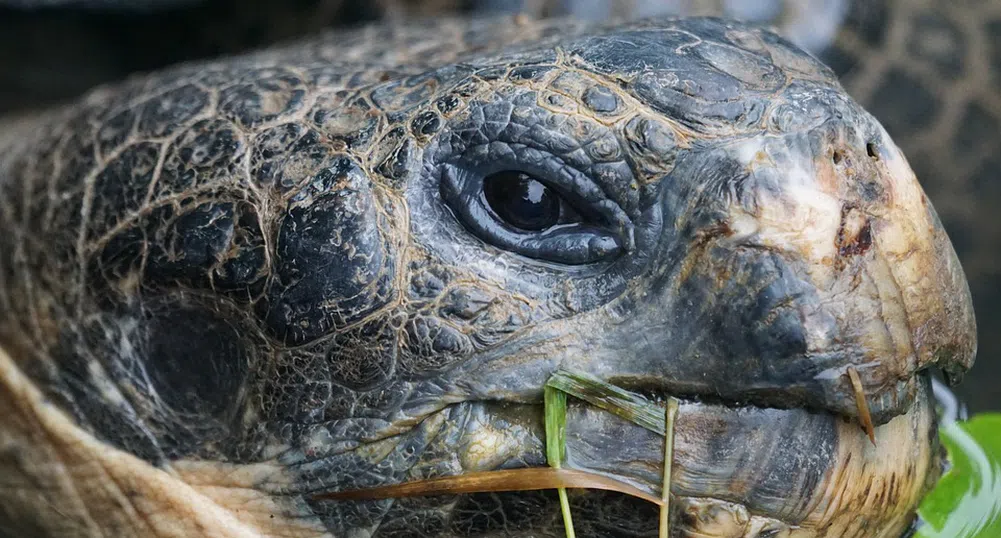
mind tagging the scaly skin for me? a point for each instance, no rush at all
(229, 285)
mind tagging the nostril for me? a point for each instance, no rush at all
(837, 157)
(872, 150)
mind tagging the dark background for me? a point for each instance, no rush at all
(53, 54)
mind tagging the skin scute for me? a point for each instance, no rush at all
(232, 284)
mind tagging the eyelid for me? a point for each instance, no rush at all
(571, 244)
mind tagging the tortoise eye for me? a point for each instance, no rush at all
(522, 201)
(549, 219)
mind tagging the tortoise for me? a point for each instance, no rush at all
(927, 69)
(354, 260)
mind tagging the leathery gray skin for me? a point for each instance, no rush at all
(231, 285)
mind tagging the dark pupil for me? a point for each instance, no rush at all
(522, 201)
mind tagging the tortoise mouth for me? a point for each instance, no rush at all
(737, 469)
(740, 471)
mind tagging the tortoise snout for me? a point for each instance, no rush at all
(924, 266)
(847, 215)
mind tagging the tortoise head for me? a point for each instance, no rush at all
(715, 204)
(258, 279)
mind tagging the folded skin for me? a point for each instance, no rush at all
(354, 261)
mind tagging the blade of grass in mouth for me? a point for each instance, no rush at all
(665, 493)
(642, 412)
(620, 402)
(555, 409)
(615, 400)
(527, 479)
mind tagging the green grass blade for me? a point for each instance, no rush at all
(620, 402)
(556, 426)
(555, 406)
(565, 509)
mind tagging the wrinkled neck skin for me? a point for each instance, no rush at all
(316, 298)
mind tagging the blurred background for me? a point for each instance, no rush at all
(929, 70)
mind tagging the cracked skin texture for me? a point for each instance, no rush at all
(229, 285)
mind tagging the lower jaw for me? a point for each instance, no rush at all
(738, 472)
